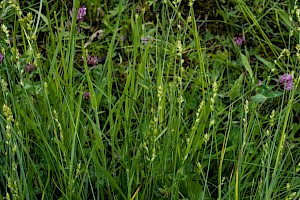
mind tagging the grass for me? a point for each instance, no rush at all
(173, 109)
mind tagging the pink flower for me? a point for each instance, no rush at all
(259, 83)
(81, 13)
(1, 58)
(86, 96)
(287, 81)
(29, 68)
(91, 60)
(145, 40)
(239, 40)
(285, 78)
(289, 86)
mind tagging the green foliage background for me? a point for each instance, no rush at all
(181, 116)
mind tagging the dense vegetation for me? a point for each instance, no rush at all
(149, 99)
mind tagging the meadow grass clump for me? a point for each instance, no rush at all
(149, 100)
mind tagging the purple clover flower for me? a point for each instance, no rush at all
(239, 39)
(285, 78)
(259, 83)
(29, 68)
(1, 58)
(145, 40)
(81, 13)
(92, 60)
(289, 86)
(87, 96)
(287, 81)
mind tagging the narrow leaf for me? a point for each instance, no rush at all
(265, 62)
(247, 66)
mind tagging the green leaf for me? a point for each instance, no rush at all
(275, 94)
(191, 101)
(44, 18)
(195, 190)
(284, 16)
(247, 66)
(265, 62)
(236, 88)
(108, 176)
(259, 98)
